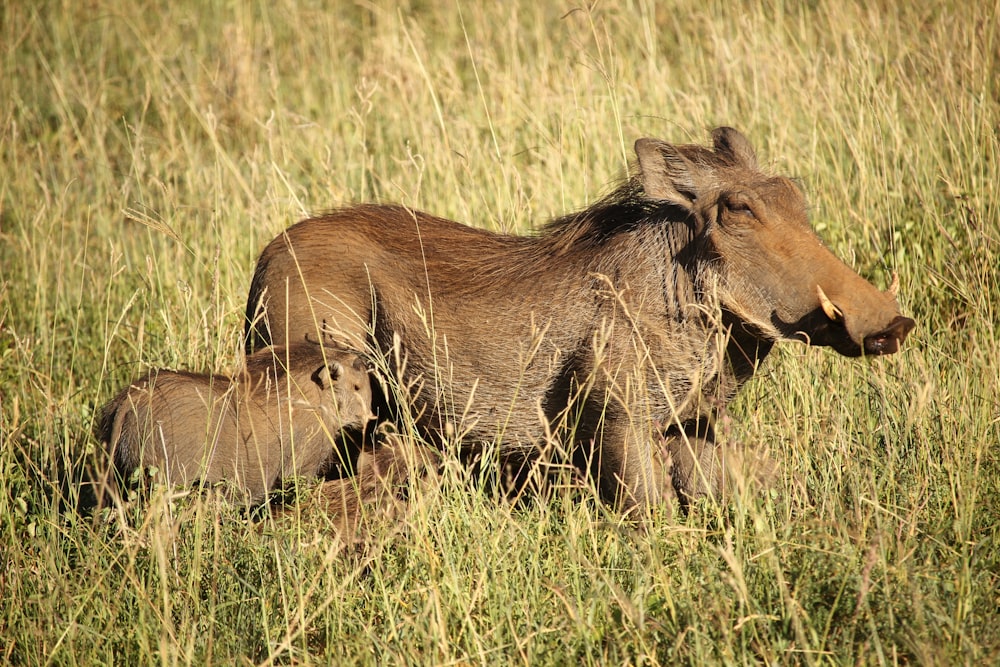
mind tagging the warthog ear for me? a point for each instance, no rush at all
(732, 146)
(327, 374)
(666, 175)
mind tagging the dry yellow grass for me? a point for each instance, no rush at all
(148, 152)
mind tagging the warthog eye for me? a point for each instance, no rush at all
(738, 206)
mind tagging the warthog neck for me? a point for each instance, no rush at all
(745, 350)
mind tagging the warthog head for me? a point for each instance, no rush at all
(764, 260)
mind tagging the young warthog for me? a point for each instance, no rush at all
(277, 418)
(626, 325)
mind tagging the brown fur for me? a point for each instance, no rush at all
(653, 306)
(276, 419)
(380, 486)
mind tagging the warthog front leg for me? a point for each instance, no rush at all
(703, 468)
(631, 471)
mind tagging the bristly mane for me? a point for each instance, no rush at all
(623, 210)
(626, 209)
(619, 211)
(661, 233)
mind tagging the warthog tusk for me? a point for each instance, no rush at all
(834, 313)
(894, 285)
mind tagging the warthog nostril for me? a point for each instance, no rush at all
(888, 340)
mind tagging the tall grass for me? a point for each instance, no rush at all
(149, 152)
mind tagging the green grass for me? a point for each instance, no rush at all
(148, 153)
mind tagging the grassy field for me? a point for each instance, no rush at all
(150, 151)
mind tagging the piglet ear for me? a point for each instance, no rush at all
(327, 374)
(665, 174)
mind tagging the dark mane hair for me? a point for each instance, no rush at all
(623, 210)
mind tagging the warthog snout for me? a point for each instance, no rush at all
(861, 320)
(889, 340)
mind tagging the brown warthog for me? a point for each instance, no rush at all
(628, 324)
(277, 418)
